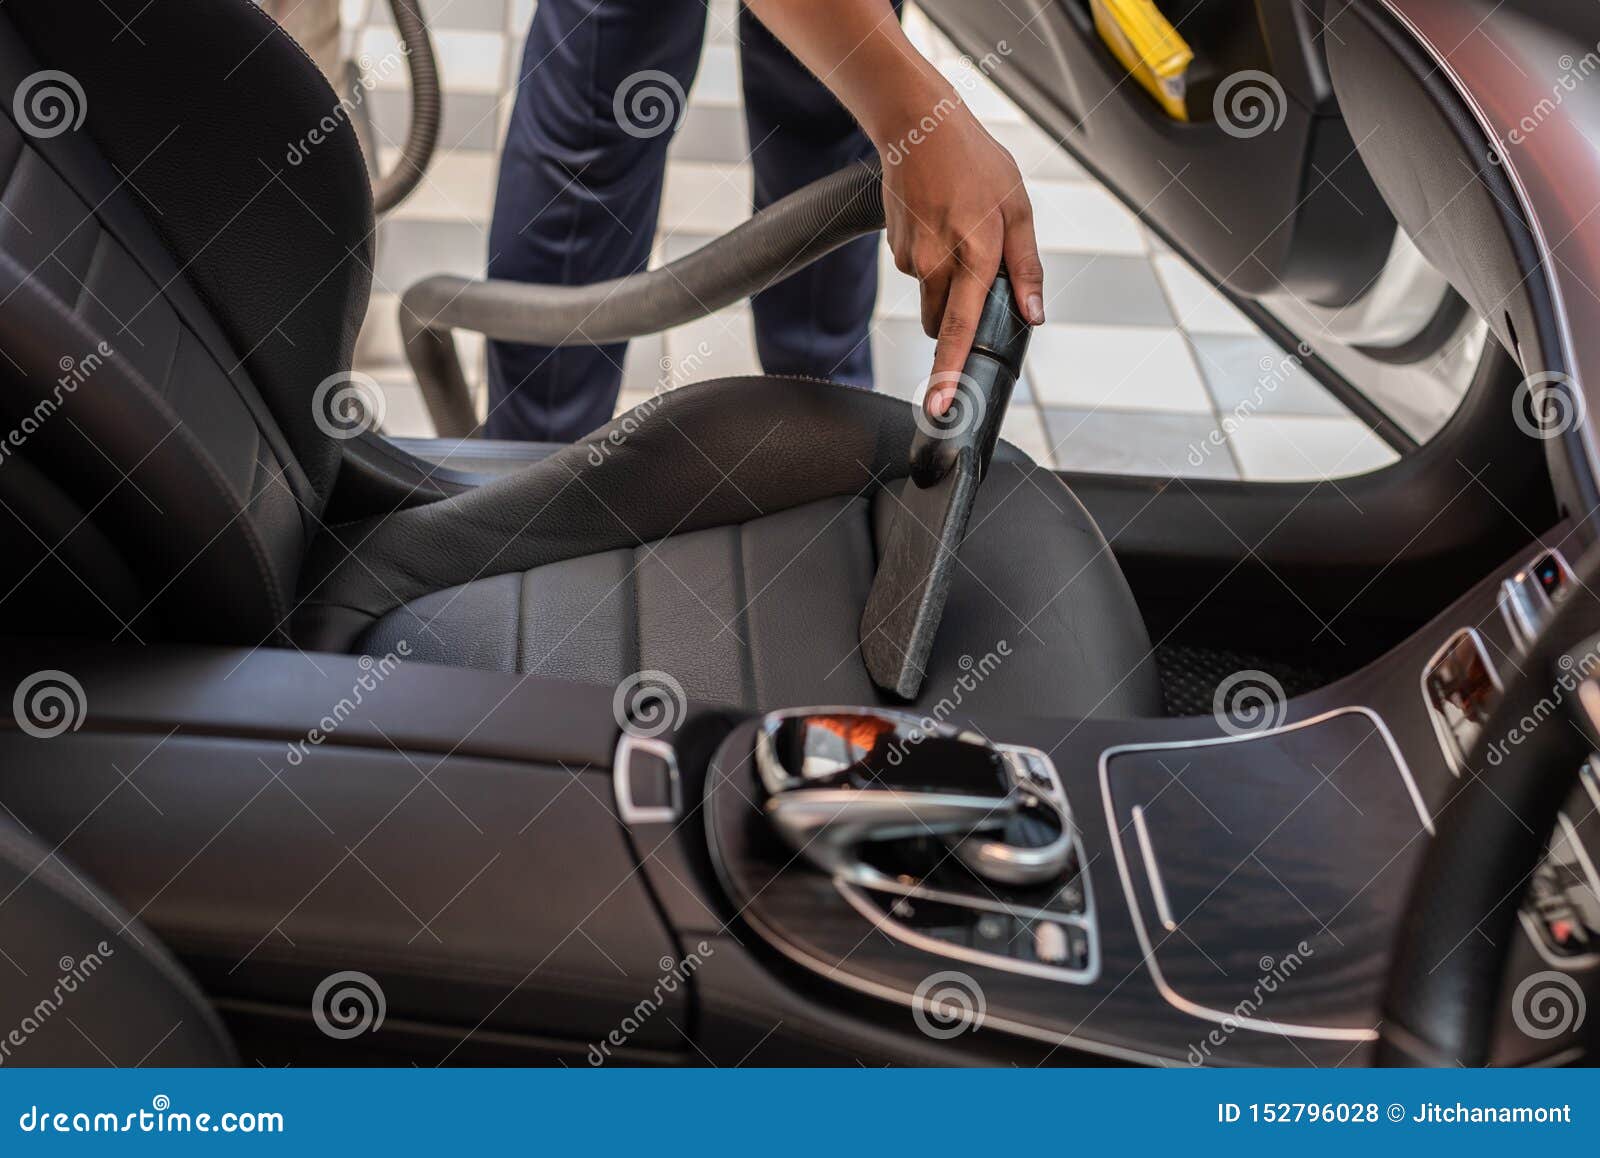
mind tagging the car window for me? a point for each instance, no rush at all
(1142, 368)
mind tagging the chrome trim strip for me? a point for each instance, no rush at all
(1158, 887)
(630, 812)
(1170, 995)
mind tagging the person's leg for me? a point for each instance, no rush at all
(816, 322)
(600, 91)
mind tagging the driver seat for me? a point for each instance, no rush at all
(185, 260)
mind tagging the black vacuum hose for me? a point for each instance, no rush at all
(784, 237)
(393, 187)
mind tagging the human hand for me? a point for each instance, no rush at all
(955, 206)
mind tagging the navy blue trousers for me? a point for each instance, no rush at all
(580, 188)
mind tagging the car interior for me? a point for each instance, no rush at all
(578, 754)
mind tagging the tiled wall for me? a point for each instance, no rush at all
(1135, 372)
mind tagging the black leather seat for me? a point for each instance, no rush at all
(199, 292)
(729, 540)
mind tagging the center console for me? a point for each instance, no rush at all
(527, 877)
(1187, 891)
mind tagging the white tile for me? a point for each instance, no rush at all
(1199, 307)
(718, 80)
(378, 343)
(468, 61)
(899, 295)
(1024, 429)
(979, 94)
(924, 37)
(629, 399)
(1122, 367)
(1082, 218)
(1037, 156)
(721, 346)
(1285, 449)
(705, 198)
(643, 367)
(405, 415)
(722, 22)
(902, 356)
(458, 187)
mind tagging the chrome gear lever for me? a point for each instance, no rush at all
(844, 784)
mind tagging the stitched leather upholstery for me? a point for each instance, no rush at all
(163, 374)
(727, 535)
(227, 286)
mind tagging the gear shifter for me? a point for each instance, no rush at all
(948, 844)
(874, 796)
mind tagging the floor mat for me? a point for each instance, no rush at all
(1190, 676)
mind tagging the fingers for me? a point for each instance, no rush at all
(935, 293)
(1022, 260)
(959, 323)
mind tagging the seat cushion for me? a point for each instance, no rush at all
(764, 613)
(760, 611)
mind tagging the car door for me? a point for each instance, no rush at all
(1251, 168)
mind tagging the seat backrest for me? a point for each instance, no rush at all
(185, 255)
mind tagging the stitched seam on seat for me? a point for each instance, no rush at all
(239, 380)
(636, 660)
(88, 269)
(747, 653)
(522, 602)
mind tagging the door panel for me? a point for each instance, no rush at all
(1269, 199)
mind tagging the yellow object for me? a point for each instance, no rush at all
(1149, 47)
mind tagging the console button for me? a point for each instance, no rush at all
(995, 933)
(1050, 943)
